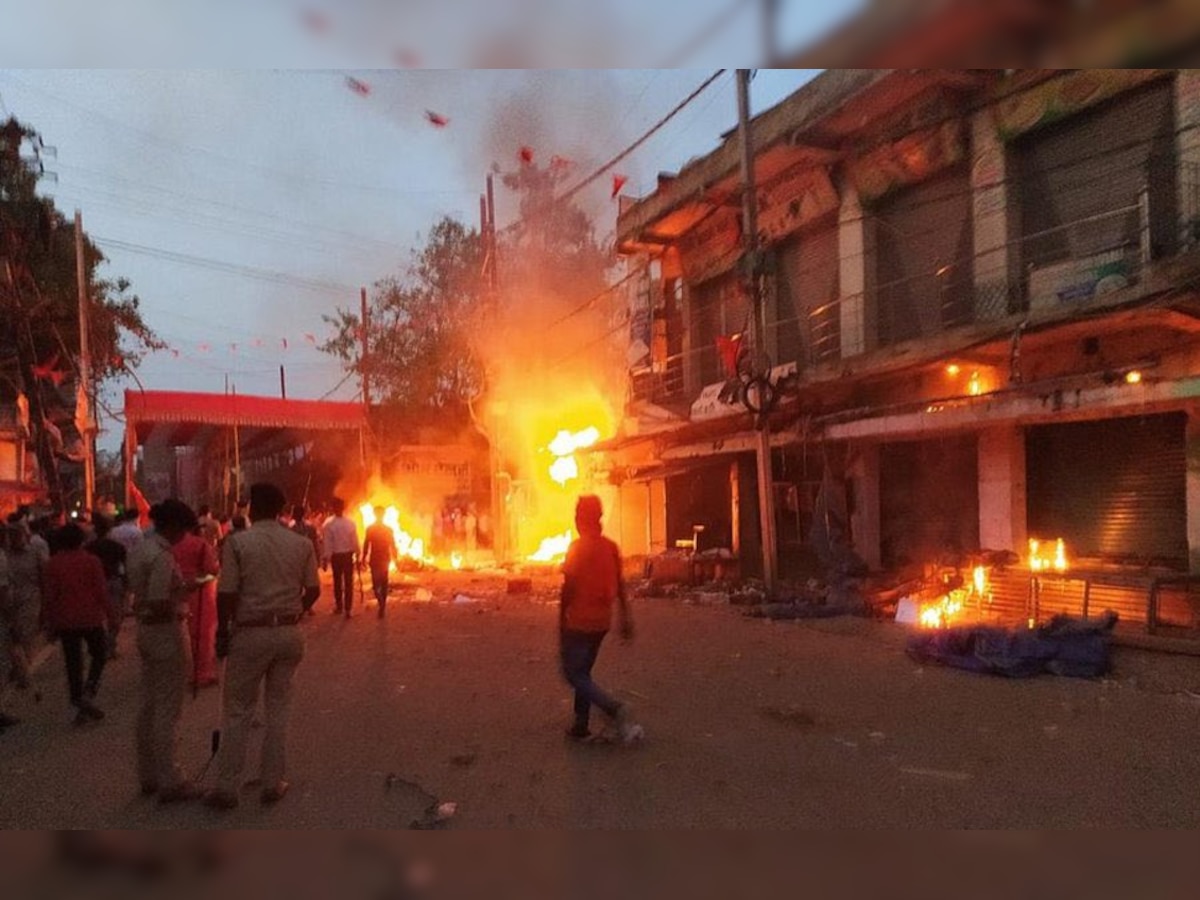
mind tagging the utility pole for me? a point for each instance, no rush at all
(491, 285)
(364, 327)
(85, 368)
(753, 272)
(282, 384)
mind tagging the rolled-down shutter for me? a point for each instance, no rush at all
(1072, 177)
(1114, 489)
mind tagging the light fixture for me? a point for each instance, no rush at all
(952, 369)
(1133, 376)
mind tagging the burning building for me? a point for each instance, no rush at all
(983, 328)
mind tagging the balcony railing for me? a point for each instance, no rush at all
(1074, 266)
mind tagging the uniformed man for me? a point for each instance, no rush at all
(268, 581)
(159, 605)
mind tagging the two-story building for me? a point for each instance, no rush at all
(986, 282)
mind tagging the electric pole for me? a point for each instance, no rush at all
(753, 272)
(85, 371)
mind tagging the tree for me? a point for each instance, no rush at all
(39, 297)
(424, 351)
(419, 353)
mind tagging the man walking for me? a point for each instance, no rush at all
(379, 550)
(592, 584)
(159, 604)
(340, 547)
(113, 557)
(268, 581)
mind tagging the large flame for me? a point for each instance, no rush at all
(552, 549)
(407, 545)
(1041, 560)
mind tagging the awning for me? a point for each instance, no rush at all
(145, 409)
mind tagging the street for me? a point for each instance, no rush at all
(749, 724)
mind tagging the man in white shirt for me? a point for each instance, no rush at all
(126, 532)
(340, 551)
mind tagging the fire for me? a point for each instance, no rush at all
(938, 615)
(1040, 561)
(407, 545)
(565, 467)
(456, 560)
(552, 549)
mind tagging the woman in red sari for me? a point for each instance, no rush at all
(197, 559)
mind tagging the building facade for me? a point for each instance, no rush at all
(981, 318)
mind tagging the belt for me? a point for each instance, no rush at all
(161, 618)
(270, 621)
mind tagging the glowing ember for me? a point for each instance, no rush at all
(979, 580)
(552, 549)
(456, 560)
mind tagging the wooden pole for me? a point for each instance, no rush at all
(365, 323)
(282, 384)
(766, 475)
(85, 367)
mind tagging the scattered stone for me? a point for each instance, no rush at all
(789, 715)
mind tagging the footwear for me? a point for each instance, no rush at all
(628, 730)
(180, 793)
(219, 799)
(381, 611)
(88, 712)
(337, 610)
(275, 792)
(578, 732)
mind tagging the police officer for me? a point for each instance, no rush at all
(268, 581)
(159, 592)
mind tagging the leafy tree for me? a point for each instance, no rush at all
(39, 297)
(423, 353)
(419, 353)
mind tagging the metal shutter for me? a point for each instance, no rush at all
(1114, 489)
(1091, 164)
(808, 285)
(924, 243)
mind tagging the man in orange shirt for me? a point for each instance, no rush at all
(592, 584)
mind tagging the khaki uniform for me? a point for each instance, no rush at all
(269, 567)
(162, 643)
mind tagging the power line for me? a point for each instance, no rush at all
(269, 275)
(571, 192)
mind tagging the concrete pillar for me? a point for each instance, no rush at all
(1193, 491)
(692, 383)
(735, 510)
(864, 517)
(1002, 511)
(989, 194)
(1187, 130)
(657, 514)
(856, 275)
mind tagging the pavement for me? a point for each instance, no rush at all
(750, 723)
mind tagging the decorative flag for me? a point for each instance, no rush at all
(436, 119)
(233, 348)
(311, 338)
(49, 371)
(730, 349)
(560, 162)
(525, 154)
(204, 348)
(284, 342)
(618, 182)
(258, 342)
(82, 417)
(316, 20)
(359, 87)
(23, 413)
(142, 504)
(174, 353)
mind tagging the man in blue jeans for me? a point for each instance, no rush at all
(592, 585)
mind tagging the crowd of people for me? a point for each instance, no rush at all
(202, 589)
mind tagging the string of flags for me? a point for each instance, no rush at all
(49, 370)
